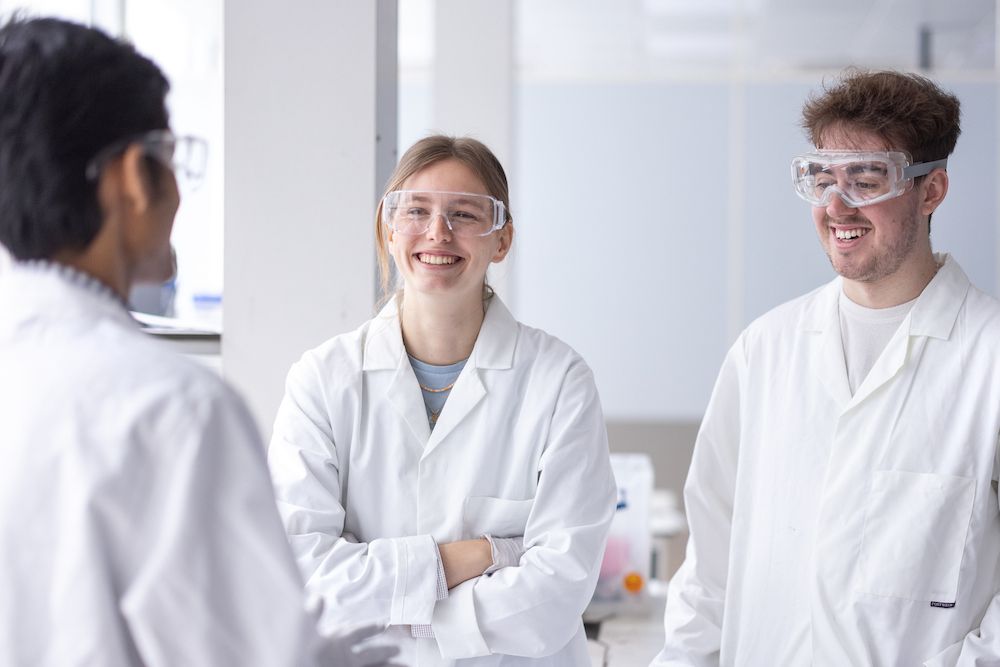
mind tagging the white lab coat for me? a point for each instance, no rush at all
(137, 523)
(365, 488)
(835, 530)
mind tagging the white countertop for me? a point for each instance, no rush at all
(630, 640)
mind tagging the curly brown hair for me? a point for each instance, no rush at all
(909, 111)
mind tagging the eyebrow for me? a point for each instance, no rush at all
(857, 168)
(466, 201)
(479, 201)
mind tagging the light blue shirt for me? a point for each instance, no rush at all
(430, 376)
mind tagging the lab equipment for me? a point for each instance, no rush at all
(626, 567)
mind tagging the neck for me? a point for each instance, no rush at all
(100, 261)
(901, 286)
(441, 329)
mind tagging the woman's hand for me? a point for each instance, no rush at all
(464, 560)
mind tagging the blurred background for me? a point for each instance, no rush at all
(647, 143)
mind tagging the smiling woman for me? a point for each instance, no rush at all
(480, 490)
(452, 166)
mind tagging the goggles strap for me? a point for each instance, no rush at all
(924, 168)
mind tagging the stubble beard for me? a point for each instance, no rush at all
(880, 263)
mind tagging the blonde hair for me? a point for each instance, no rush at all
(428, 151)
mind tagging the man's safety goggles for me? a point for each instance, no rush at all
(185, 156)
(411, 212)
(858, 178)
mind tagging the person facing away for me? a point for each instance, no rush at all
(137, 520)
(842, 498)
(443, 470)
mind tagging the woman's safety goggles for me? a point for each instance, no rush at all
(858, 178)
(411, 212)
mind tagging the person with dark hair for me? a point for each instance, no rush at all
(842, 499)
(137, 521)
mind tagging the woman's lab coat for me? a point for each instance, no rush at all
(829, 529)
(365, 489)
(137, 523)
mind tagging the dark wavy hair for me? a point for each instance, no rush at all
(66, 92)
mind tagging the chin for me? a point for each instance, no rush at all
(158, 274)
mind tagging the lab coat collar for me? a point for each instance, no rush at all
(822, 318)
(384, 350)
(933, 314)
(936, 310)
(494, 346)
(62, 291)
(497, 338)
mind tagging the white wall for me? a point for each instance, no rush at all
(622, 247)
(636, 198)
(306, 145)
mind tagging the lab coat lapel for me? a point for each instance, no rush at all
(932, 316)
(405, 397)
(384, 351)
(887, 365)
(465, 395)
(494, 350)
(823, 321)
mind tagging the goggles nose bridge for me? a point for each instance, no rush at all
(434, 217)
(832, 191)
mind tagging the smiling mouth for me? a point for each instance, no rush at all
(424, 258)
(847, 234)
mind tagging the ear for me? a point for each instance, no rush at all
(933, 190)
(506, 237)
(135, 186)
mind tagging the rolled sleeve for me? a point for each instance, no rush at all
(458, 615)
(415, 592)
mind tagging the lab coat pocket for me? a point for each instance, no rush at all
(914, 536)
(499, 517)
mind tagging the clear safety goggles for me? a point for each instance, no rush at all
(858, 178)
(411, 212)
(184, 156)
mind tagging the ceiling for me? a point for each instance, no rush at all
(630, 38)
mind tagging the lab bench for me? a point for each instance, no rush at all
(630, 640)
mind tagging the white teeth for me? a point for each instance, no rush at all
(437, 259)
(845, 234)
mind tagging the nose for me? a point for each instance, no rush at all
(837, 208)
(439, 229)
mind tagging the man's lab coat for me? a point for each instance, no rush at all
(830, 529)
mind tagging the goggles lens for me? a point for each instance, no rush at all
(184, 156)
(858, 178)
(411, 212)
